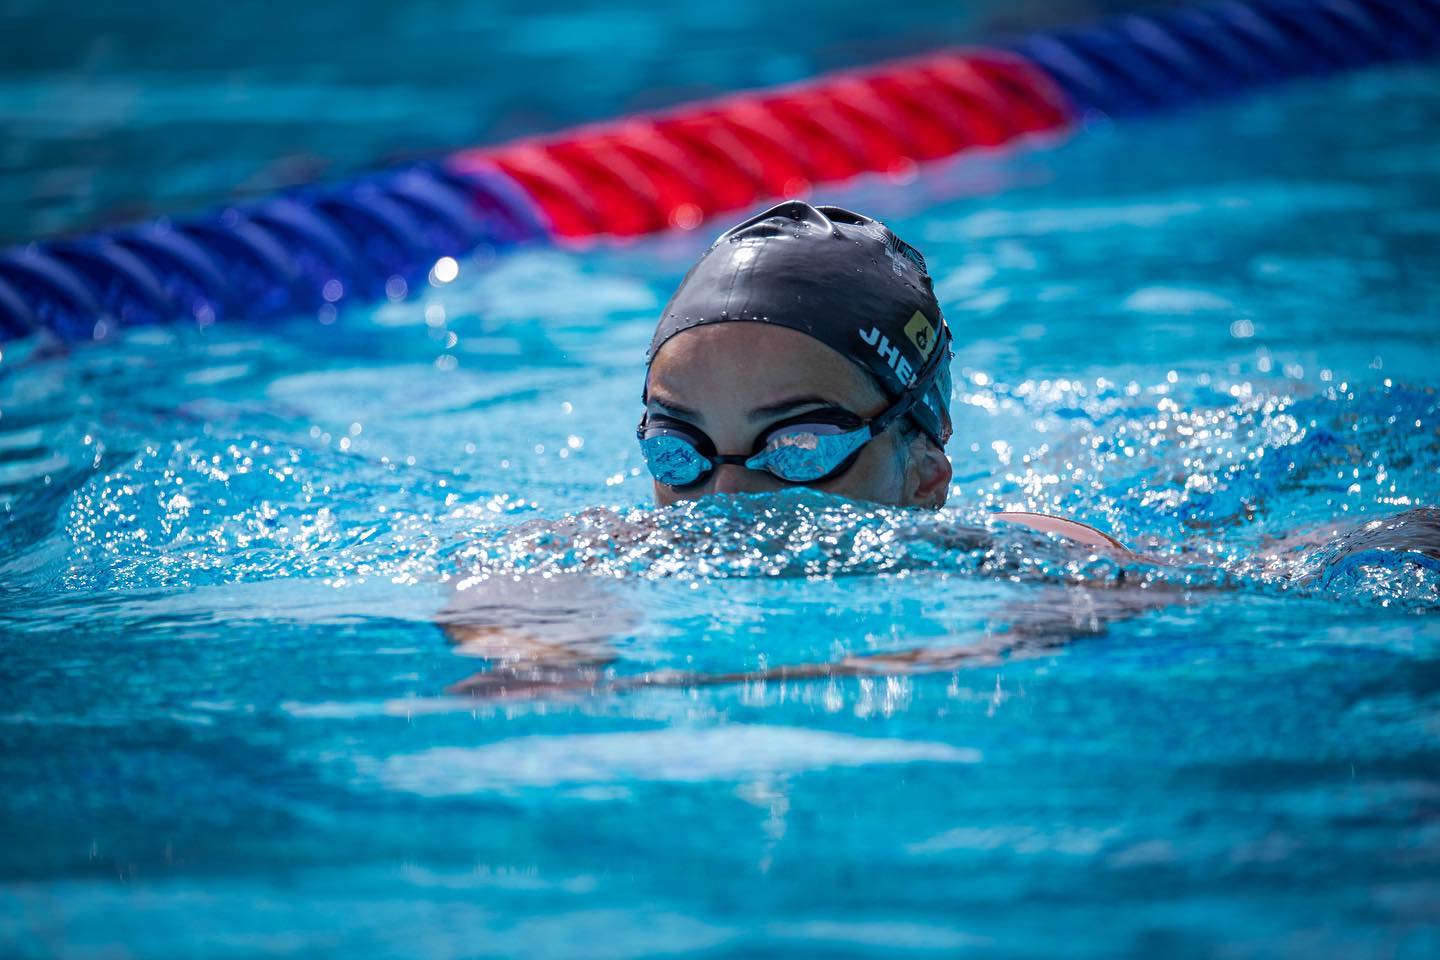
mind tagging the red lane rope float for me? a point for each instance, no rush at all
(675, 169)
(728, 173)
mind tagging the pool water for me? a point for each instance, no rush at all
(225, 730)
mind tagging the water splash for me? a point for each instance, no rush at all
(1168, 461)
(795, 533)
(1219, 484)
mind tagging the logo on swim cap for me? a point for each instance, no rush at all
(901, 254)
(921, 333)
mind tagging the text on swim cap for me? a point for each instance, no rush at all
(889, 353)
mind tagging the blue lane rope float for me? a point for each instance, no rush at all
(313, 250)
(1141, 63)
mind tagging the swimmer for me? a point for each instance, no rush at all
(806, 348)
(809, 344)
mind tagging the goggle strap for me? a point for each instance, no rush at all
(915, 393)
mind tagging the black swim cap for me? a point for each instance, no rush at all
(837, 276)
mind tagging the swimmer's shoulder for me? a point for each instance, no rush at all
(1081, 533)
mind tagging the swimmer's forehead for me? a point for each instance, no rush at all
(762, 370)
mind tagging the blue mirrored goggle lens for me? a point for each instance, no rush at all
(673, 460)
(805, 453)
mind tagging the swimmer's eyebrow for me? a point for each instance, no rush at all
(786, 406)
(674, 408)
(767, 412)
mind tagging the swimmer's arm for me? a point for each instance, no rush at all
(1036, 629)
(1053, 619)
(550, 635)
(538, 633)
(1073, 530)
(1090, 611)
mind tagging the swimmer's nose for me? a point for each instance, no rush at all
(734, 478)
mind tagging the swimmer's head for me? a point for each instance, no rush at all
(806, 346)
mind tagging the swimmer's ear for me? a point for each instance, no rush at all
(927, 478)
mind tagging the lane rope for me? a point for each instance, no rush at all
(311, 251)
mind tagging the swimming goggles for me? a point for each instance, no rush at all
(812, 447)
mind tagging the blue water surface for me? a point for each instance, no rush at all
(225, 732)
